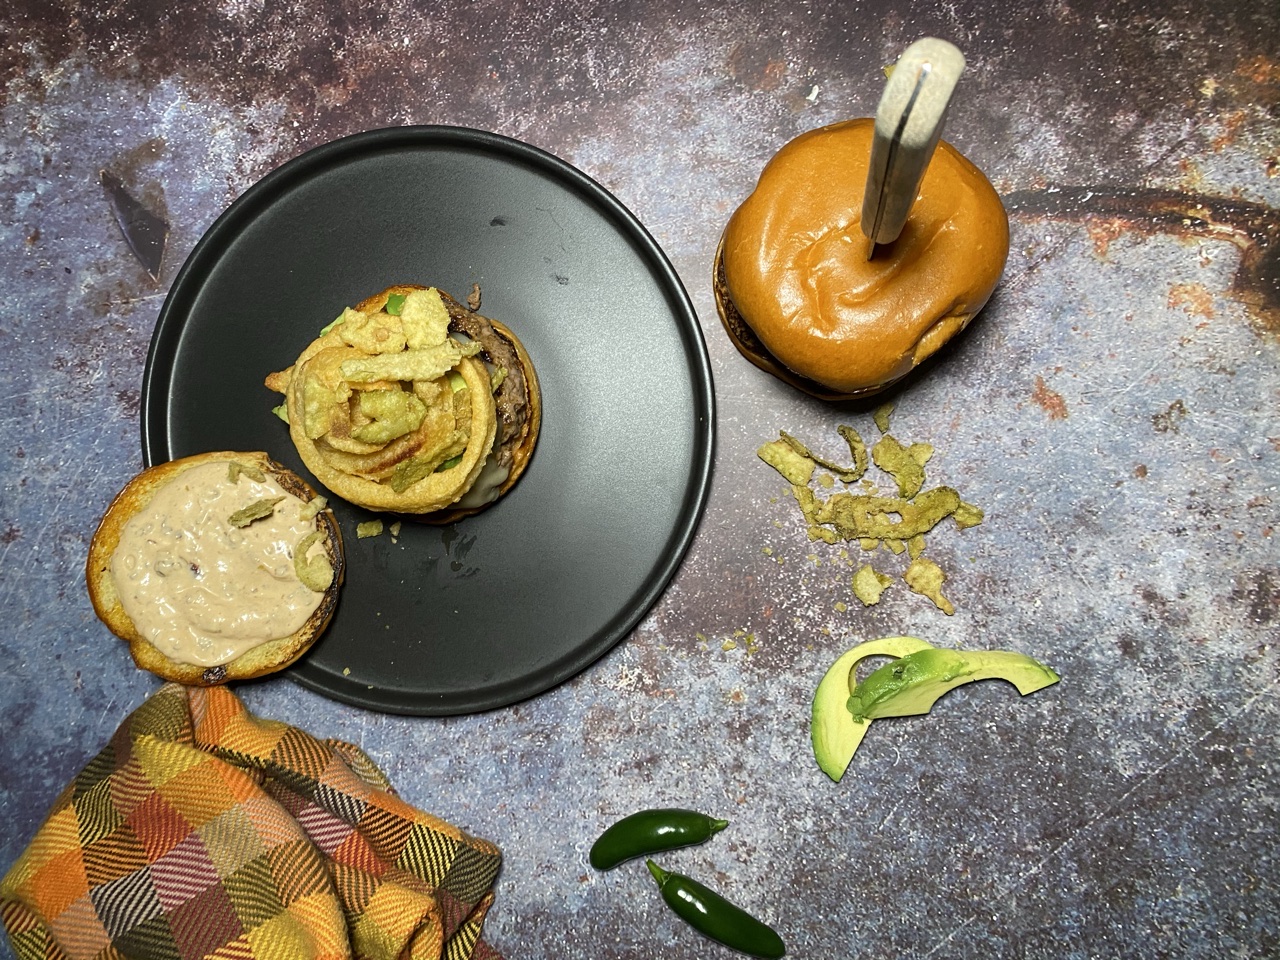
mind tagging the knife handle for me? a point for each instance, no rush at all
(908, 125)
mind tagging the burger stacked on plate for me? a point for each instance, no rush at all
(413, 404)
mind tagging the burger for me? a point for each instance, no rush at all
(799, 296)
(411, 403)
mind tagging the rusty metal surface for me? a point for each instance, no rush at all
(1113, 410)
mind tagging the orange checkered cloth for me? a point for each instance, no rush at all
(203, 831)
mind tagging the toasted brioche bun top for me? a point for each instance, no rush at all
(794, 261)
(268, 655)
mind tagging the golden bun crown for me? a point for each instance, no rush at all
(798, 295)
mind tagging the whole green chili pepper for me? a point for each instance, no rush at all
(651, 831)
(715, 917)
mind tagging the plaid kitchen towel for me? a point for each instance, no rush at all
(204, 831)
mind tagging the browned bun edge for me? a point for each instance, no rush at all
(522, 445)
(263, 659)
(749, 345)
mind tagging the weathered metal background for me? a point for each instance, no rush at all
(1114, 410)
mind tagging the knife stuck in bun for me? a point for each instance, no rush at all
(411, 403)
(799, 296)
(215, 567)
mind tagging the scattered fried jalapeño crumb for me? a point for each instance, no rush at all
(369, 528)
(899, 524)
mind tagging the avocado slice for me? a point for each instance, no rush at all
(912, 684)
(834, 732)
(909, 686)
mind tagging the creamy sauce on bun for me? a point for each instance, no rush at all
(203, 590)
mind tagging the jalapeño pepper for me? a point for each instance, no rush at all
(651, 831)
(715, 917)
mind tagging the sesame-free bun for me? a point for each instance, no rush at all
(267, 657)
(797, 294)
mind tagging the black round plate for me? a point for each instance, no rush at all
(504, 605)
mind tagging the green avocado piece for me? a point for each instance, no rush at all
(833, 730)
(912, 684)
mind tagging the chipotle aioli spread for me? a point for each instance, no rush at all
(202, 590)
